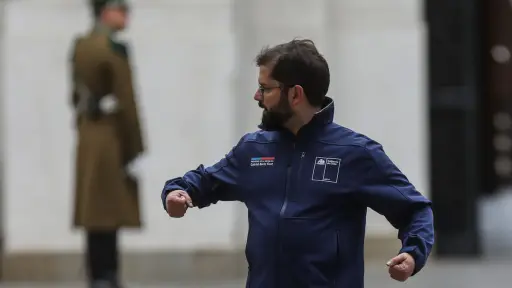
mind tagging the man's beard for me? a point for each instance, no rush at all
(275, 118)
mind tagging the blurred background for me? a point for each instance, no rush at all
(430, 80)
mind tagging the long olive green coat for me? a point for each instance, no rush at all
(106, 196)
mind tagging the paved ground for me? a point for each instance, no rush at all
(497, 240)
(463, 274)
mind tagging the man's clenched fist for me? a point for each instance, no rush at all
(177, 203)
(401, 267)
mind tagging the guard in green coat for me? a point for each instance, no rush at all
(109, 141)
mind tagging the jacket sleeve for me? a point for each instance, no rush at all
(209, 185)
(387, 191)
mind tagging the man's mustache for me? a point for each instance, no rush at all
(261, 105)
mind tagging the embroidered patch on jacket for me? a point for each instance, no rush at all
(262, 161)
(326, 169)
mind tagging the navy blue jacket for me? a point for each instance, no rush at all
(307, 197)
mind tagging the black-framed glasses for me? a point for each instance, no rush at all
(263, 89)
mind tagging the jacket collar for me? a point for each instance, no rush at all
(325, 115)
(322, 118)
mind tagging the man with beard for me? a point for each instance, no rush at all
(307, 183)
(109, 141)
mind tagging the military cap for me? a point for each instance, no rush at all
(99, 5)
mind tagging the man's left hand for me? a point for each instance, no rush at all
(401, 267)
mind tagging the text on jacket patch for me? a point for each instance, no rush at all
(262, 161)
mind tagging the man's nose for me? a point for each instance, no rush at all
(257, 96)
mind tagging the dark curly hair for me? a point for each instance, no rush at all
(298, 62)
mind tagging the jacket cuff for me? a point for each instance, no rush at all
(168, 188)
(419, 258)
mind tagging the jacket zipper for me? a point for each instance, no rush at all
(285, 203)
(302, 155)
(287, 183)
(287, 188)
(288, 178)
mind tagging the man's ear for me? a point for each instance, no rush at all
(296, 94)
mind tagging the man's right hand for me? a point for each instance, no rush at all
(177, 203)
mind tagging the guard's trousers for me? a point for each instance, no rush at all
(102, 256)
